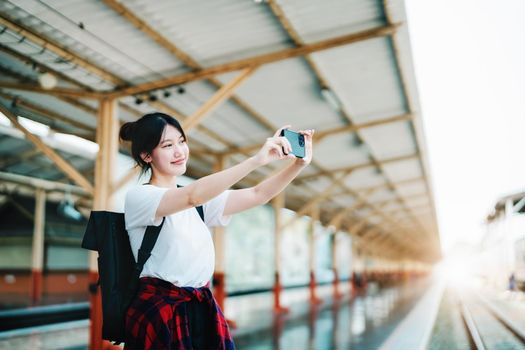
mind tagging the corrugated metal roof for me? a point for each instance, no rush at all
(107, 39)
(390, 140)
(373, 79)
(286, 92)
(333, 18)
(213, 31)
(364, 77)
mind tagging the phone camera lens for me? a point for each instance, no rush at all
(301, 140)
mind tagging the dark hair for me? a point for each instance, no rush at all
(145, 134)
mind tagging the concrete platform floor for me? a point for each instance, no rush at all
(362, 322)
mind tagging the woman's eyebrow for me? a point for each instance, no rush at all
(170, 140)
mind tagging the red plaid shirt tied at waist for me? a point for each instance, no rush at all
(164, 316)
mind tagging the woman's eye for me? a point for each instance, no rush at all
(168, 145)
(182, 141)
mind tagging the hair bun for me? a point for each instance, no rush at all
(127, 130)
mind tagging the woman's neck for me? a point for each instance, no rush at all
(163, 181)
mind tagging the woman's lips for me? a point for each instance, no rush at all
(179, 162)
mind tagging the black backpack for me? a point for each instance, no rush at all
(118, 272)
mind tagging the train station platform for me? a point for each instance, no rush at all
(425, 313)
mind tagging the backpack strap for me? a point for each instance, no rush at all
(148, 242)
(200, 210)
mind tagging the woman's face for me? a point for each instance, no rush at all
(171, 154)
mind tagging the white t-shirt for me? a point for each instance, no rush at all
(183, 254)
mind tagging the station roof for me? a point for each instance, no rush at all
(515, 201)
(234, 72)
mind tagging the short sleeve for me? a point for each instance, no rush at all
(214, 210)
(141, 204)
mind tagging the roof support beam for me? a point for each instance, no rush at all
(355, 127)
(50, 45)
(21, 157)
(76, 103)
(57, 91)
(32, 62)
(337, 219)
(216, 100)
(315, 200)
(63, 165)
(322, 134)
(397, 183)
(412, 196)
(47, 185)
(258, 60)
(330, 172)
(45, 112)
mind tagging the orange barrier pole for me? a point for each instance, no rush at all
(278, 204)
(313, 284)
(36, 286)
(337, 293)
(37, 249)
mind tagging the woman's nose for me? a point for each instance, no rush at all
(178, 151)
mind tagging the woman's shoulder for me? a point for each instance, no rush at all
(143, 191)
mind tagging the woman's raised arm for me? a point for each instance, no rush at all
(246, 198)
(209, 187)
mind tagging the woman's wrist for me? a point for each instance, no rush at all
(300, 163)
(254, 162)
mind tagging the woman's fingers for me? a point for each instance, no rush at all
(285, 144)
(308, 132)
(277, 149)
(278, 132)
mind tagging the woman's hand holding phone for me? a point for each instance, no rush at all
(308, 145)
(279, 147)
(275, 148)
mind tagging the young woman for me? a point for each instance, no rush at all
(174, 308)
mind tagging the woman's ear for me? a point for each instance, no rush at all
(146, 157)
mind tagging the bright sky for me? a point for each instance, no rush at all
(470, 65)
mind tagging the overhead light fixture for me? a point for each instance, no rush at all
(358, 143)
(166, 93)
(67, 209)
(47, 80)
(152, 97)
(181, 90)
(138, 100)
(331, 98)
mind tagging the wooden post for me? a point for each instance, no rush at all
(278, 205)
(219, 240)
(354, 272)
(314, 217)
(38, 245)
(107, 139)
(337, 293)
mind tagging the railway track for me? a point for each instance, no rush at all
(487, 328)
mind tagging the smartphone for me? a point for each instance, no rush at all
(297, 142)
